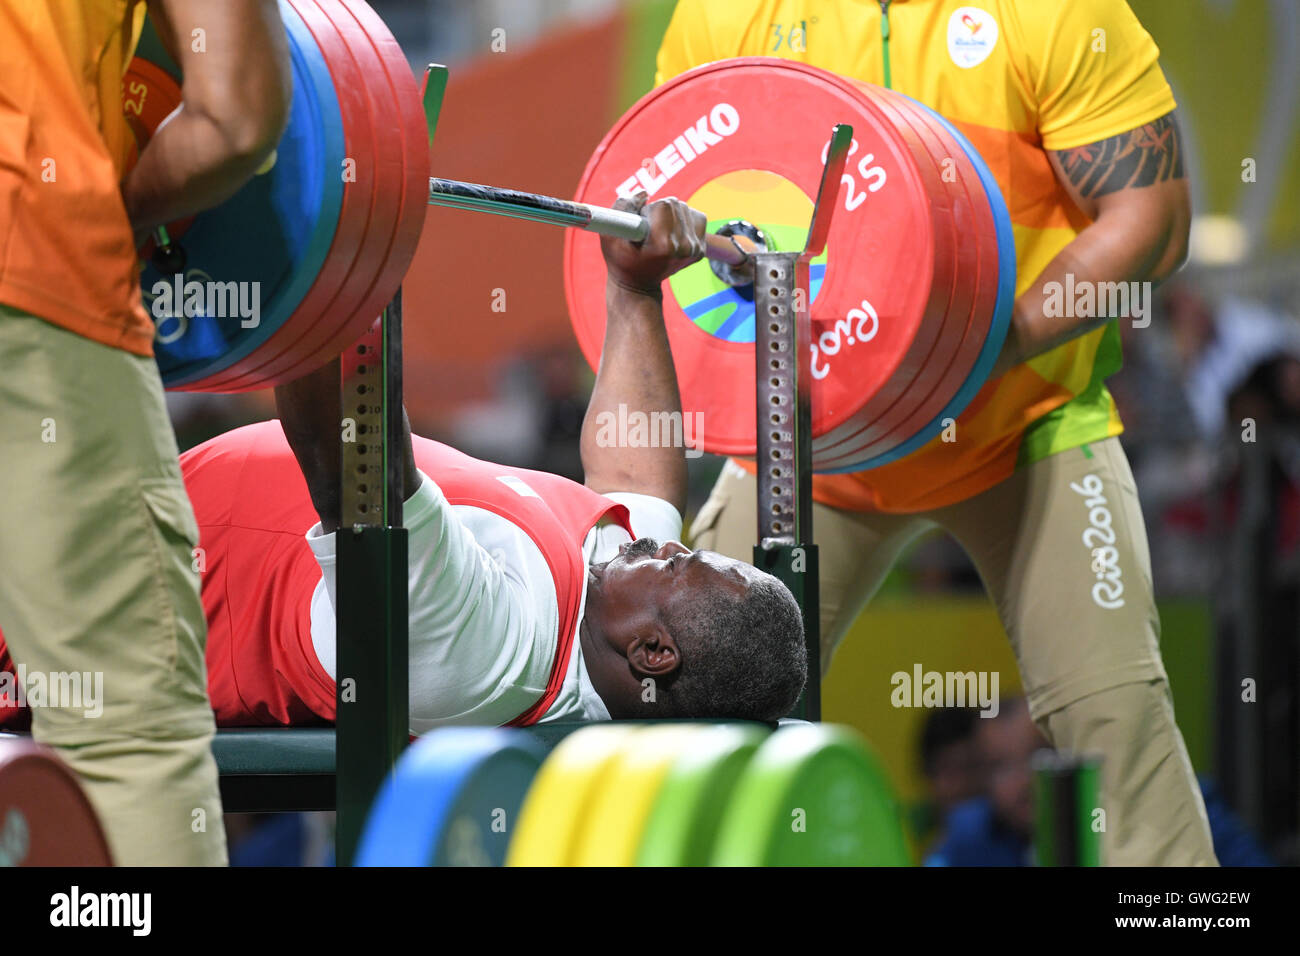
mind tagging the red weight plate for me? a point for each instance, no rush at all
(321, 325)
(925, 366)
(353, 248)
(45, 819)
(723, 138)
(958, 348)
(414, 131)
(403, 170)
(982, 283)
(891, 407)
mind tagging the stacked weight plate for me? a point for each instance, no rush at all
(326, 232)
(452, 800)
(677, 793)
(45, 819)
(910, 299)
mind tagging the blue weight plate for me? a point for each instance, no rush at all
(997, 334)
(276, 231)
(452, 800)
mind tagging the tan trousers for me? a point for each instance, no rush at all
(1062, 551)
(96, 578)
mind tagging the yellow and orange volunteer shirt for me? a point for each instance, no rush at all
(1018, 78)
(66, 248)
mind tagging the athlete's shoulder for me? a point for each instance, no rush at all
(261, 439)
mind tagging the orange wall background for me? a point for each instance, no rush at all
(530, 121)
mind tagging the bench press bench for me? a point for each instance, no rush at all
(271, 770)
(288, 769)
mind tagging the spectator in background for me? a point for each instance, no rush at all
(1218, 343)
(950, 765)
(996, 828)
(1203, 365)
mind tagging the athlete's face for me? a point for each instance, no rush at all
(647, 577)
(630, 597)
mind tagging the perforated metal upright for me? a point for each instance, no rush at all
(783, 416)
(371, 572)
(371, 575)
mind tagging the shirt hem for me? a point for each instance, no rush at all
(38, 303)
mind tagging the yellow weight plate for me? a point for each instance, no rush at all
(558, 801)
(623, 799)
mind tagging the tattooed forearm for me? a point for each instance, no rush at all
(1149, 154)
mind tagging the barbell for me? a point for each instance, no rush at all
(621, 794)
(910, 302)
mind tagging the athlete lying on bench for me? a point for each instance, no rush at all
(529, 598)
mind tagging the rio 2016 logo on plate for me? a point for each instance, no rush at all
(770, 202)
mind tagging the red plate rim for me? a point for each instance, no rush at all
(901, 401)
(900, 422)
(983, 287)
(313, 336)
(357, 216)
(413, 205)
(984, 294)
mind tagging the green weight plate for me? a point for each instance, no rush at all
(813, 795)
(687, 814)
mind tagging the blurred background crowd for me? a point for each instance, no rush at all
(1209, 395)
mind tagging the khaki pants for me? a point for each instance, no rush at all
(96, 539)
(1062, 551)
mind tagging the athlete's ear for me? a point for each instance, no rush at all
(653, 652)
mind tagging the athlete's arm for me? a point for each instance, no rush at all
(311, 414)
(235, 104)
(636, 365)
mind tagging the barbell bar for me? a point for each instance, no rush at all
(734, 250)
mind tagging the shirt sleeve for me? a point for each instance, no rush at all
(1094, 70)
(476, 632)
(686, 42)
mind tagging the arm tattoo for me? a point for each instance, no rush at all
(1149, 154)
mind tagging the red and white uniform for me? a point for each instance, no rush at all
(497, 566)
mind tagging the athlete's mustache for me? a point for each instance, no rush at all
(641, 547)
